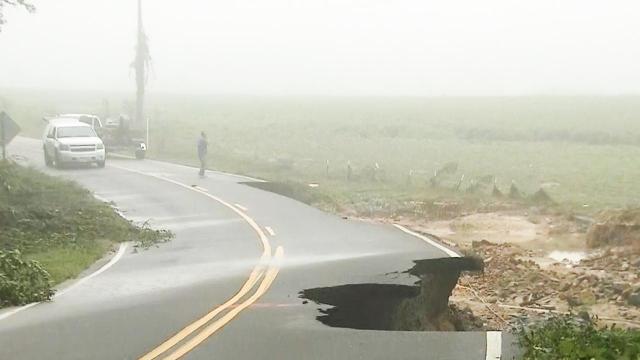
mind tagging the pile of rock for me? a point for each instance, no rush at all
(512, 280)
(614, 274)
(512, 277)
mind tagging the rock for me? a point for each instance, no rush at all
(503, 293)
(634, 299)
(564, 286)
(481, 243)
(582, 277)
(573, 301)
(587, 297)
(619, 286)
(518, 300)
(584, 316)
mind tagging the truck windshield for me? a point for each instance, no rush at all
(75, 131)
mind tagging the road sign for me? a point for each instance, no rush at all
(8, 130)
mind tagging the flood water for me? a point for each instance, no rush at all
(573, 257)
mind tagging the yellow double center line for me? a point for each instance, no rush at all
(196, 340)
(257, 274)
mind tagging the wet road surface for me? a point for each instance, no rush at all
(228, 285)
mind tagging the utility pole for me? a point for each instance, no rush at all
(141, 65)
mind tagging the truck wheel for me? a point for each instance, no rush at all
(140, 154)
(47, 159)
(57, 162)
(101, 163)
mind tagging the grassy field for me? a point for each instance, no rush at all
(584, 151)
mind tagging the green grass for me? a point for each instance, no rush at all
(64, 263)
(566, 337)
(586, 148)
(58, 224)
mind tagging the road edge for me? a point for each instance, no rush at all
(69, 285)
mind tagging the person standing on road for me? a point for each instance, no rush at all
(202, 152)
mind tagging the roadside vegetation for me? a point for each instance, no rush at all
(571, 337)
(51, 230)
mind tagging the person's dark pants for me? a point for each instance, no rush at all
(203, 164)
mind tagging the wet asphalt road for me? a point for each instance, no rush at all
(148, 296)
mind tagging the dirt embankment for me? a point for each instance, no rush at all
(524, 279)
(515, 288)
(615, 228)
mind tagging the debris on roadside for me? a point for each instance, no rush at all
(514, 288)
(615, 228)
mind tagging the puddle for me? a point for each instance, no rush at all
(572, 257)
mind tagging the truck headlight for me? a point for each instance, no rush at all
(100, 146)
(63, 147)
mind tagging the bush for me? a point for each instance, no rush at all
(565, 337)
(22, 281)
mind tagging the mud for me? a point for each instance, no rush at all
(296, 191)
(615, 228)
(422, 307)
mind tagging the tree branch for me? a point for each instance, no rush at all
(21, 3)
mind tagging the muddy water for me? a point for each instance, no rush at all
(572, 257)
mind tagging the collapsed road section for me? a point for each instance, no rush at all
(421, 307)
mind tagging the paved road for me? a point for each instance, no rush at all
(239, 260)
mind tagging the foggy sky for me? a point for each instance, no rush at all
(332, 47)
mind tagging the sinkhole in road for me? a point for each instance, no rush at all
(421, 307)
